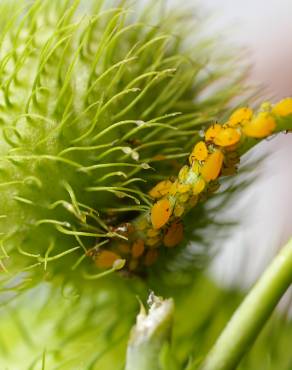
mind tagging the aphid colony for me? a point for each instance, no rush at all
(216, 155)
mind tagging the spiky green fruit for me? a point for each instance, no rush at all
(96, 105)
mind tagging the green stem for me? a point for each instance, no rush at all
(253, 313)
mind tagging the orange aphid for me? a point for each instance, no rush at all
(151, 257)
(283, 108)
(239, 116)
(105, 259)
(199, 186)
(212, 132)
(138, 248)
(227, 136)
(160, 213)
(161, 189)
(174, 235)
(261, 126)
(212, 167)
(199, 153)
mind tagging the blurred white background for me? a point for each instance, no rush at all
(264, 27)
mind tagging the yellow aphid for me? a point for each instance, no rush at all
(261, 126)
(183, 173)
(239, 116)
(227, 136)
(151, 233)
(174, 235)
(196, 168)
(179, 210)
(183, 188)
(160, 213)
(151, 257)
(199, 186)
(199, 153)
(105, 259)
(212, 167)
(212, 132)
(184, 197)
(153, 242)
(283, 108)
(173, 189)
(161, 189)
(138, 248)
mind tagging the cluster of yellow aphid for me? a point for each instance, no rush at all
(217, 154)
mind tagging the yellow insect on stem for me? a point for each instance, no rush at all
(239, 116)
(261, 126)
(199, 186)
(199, 153)
(213, 165)
(160, 213)
(212, 132)
(283, 108)
(161, 189)
(227, 136)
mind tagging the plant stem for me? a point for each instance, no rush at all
(246, 323)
